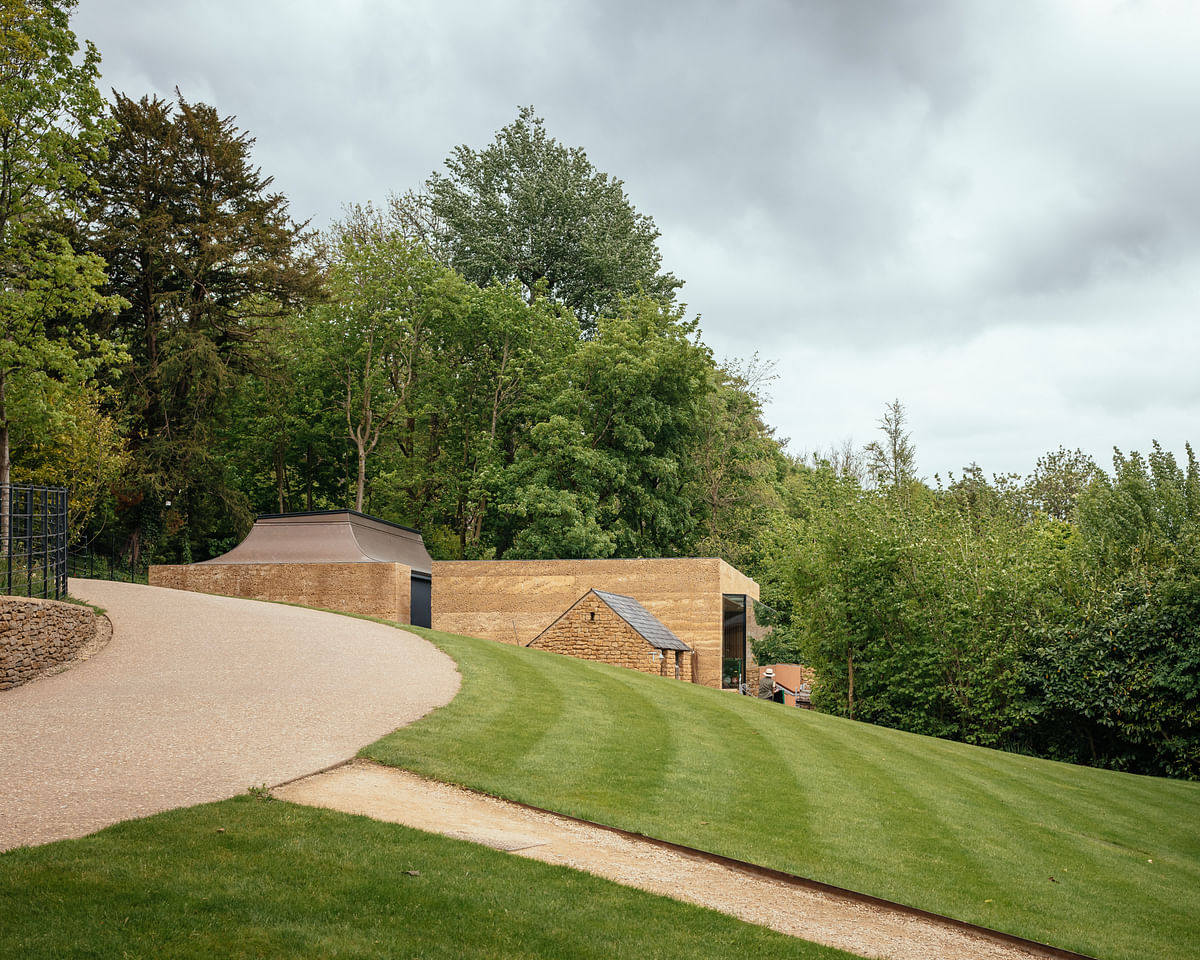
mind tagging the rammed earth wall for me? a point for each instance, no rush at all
(36, 635)
(376, 589)
(514, 600)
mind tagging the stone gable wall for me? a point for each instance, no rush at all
(36, 635)
(376, 589)
(591, 630)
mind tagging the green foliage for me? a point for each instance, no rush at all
(432, 378)
(51, 123)
(493, 355)
(738, 464)
(608, 461)
(209, 262)
(284, 445)
(1120, 687)
(1058, 481)
(251, 381)
(1146, 516)
(373, 332)
(527, 208)
(960, 613)
(1119, 681)
(79, 447)
(893, 460)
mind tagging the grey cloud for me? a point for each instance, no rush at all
(833, 173)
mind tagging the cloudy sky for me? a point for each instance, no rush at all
(990, 211)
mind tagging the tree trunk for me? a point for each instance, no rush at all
(280, 478)
(308, 478)
(362, 477)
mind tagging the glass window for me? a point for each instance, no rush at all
(733, 662)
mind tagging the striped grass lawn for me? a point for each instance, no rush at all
(250, 878)
(1103, 863)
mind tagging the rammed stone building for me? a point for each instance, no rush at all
(704, 602)
(686, 618)
(618, 630)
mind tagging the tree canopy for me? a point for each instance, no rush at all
(529, 209)
(51, 124)
(208, 260)
(498, 361)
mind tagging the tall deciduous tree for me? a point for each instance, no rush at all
(51, 119)
(491, 355)
(1058, 481)
(607, 469)
(529, 209)
(375, 327)
(737, 459)
(209, 259)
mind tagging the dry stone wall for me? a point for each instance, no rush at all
(591, 630)
(37, 635)
(375, 589)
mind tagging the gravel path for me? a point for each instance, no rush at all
(864, 929)
(198, 698)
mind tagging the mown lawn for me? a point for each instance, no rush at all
(251, 878)
(1104, 863)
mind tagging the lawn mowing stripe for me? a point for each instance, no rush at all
(495, 724)
(875, 799)
(728, 770)
(978, 837)
(949, 804)
(749, 766)
(633, 744)
(1052, 784)
(886, 791)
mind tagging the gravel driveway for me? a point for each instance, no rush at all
(197, 698)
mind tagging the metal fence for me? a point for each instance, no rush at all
(106, 562)
(33, 541)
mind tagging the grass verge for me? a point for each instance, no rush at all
(248, 878)
(1099, 862)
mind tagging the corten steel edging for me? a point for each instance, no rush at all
(997, 936)
(986, 933)
(1007, 939)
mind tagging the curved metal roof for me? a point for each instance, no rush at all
(333, 536)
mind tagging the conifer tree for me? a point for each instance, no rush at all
(209, 259)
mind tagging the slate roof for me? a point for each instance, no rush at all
(643, 621)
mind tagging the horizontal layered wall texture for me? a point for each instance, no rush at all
(515, 600)
(376, 589)
(592, 630)
(36, 635)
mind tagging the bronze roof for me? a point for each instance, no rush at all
(333, 536)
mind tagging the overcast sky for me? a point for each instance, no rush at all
(988, 210)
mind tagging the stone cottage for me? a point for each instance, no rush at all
(615, 629)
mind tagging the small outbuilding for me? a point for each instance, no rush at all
(616, 629)
(336, 559)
